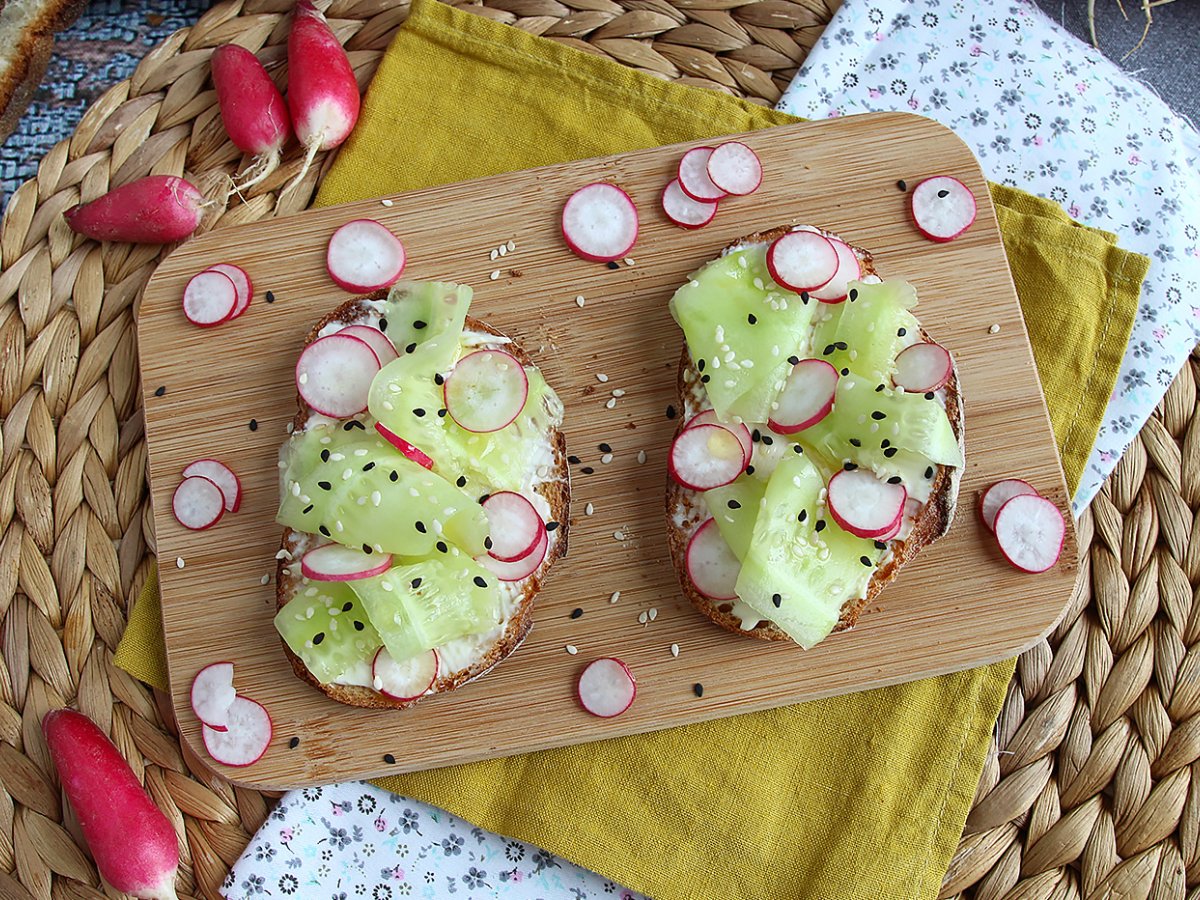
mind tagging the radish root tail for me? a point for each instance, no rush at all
(262, 166)
(308, 161)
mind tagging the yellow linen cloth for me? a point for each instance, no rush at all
(860, 796)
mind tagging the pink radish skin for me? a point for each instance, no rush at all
(606, 687)
(384, 349)
(849, 269)
(241, 283)
(523, 567)
(333, 562)
(806, 398)
(252, 110)
(414, 453)
(735, 169)
(198, 503)
(711, 565)
(246, 737)
(132, 842)
(999, 494)
(923, 367)
(739, 430)
(705, 457)
(515, 528)
(405, 680)
(599, 222)
(683, 210)
(863, 505)
(334, 375)
(157, 209)
(364, 256)
(1030, 531)
(213, 694)
(802, 261)
(942, 208)
(220, 475)
(693, 176)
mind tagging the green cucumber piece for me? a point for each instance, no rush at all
(868, 331)
(326, 626)
(425, 316)
(736, 521)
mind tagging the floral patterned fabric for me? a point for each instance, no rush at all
(1046, 113)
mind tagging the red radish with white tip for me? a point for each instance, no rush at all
(405, 680)
(735, 169)
(334, 374)
(737, 429)
(706, 456)
(385, 350)
(600, 222)
(606, 687)
(246, 736)
(486, 390)
(252, 109)
(209, 298)
(241, 283)
(213, 694)
(692, 176)
(806, 398)
(132, 842)
(157, 209)
(220, 475)
(711, 565)
(685, 211)
(1030, 531)
(863, 505)
(514, 526)
(523, 567)
(942, 208)
(999, 494)
(333, 562)
(849, 269)
(198, 503)
(416, 454)
(923, 367)
(802, 260)
(364, 256)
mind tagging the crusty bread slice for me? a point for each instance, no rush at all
(686, 509)
(27, 29)
(557, 492)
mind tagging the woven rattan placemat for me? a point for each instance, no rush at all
(1089, 792)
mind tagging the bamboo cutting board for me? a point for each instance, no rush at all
(957, 606)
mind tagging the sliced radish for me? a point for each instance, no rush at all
(514, 526)
(806, 398)
(220, 475)
(334, 375)
(863, 505)
(1030, 530)
(711, 565)
(241, 283)
(735, 169)
(333, 562)
(693, 176)
(849, 269)
(923, 367)
(486, 390)
(705, 457)
(894, 533)
(523, 567)
(198, 503)
(606, 687)
(738, 430)
(600, 222)
(246, 737)
(384, 349)
(406, 680)
(802, 260)
(209, 298)
(213, 695)
(364, 256)
(414, 453)
(999, 494)
(683, 210)
(942, 208)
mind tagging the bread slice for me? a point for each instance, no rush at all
(556, 490)
(686, 509)
(27, 29)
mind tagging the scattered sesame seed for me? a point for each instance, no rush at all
(389, 759)
(606, 458)
(160, 390)
(179, 563)
(698, 689)
(576, 613)
(611, 403)
(943, 194)
(493, 255)
(386, 202)
(674, 649)
(580, 301)
(601, 377)
(613, 265)
(511, 245)
(670, 412)
(902, 185)
(630, 261)
(495, 274)
(618, 392)
(571, 648)
(616, 595)
(619, 535)
(573, 459)
(653, 613)
(641, 457)
(294, 743)
(589, 509)
(993, 329)
(266, 579)
(587, 470)
(643, 617)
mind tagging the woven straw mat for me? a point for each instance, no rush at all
(1088, 791)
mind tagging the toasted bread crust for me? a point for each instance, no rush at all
(686, 511)
(557, 493)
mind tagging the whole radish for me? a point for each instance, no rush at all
(131, 840)
(322, 91)
(252, 109)
(157, 209)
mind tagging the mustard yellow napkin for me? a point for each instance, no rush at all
(861, 796)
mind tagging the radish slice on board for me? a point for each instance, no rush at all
(923, 367)
(334, 375)
(806, 398)
(384, 349)
(523, 567)
(693, 176)
(241, 283)
(600, 222)
(245, 738)
(515, 528)
(414, 453)
(802, 260)
(406, 680)
(738, 430)
(606, 687)
(999, 494)
(1030, 531)
(486, 390)
(711, 565)
(942, 208)
(863, 505)
(683, 210)
(835, 290)
(198, 503)
(209, 299)
(213, 694)
(333, 562)
(364, 256)
(220, 475)
(735, 169)
(706, 456)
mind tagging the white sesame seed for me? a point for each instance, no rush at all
(502, 250)
(674, 649)
(361, 451)
(494, 275)
(179, 564)
(337, 457)
(579, 301)
(589, 509)
(994, 329)
(606, 458)
(290, 427)
(511, 245)
(376, 498)
(616, 595)
(630, 261)
(338, 526)
(618, 392)
(386, 202)
(641, 457)
(653, 613)
(493, 255)
(601, 377)
(642, 617)
(611, 403)
(295, 489)
(283, 554)
(619, 535)
(303, 379)
(571, 648)
(266, 579)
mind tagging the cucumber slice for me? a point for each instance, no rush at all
(735, 507)
(915, 422)
(427, 316)
(866, 332)
(326, 626)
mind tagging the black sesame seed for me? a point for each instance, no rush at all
(415, 583)
(929, 395)
(749, 470)
(670, 414)
(895, 479)
(756, 435)
(551, 525)
(358, 626)
(419, 324)
(902, 185)
(325, 455)
(576, 613)
(348, 426)
(890, 452)
(418, 412)
(389, 759)
(324, 530)
(929, 472)
(820, 526)
(901, 332)
(853, 294)
(796, 448)
(438, 379)
(829, 348)
(698, 689)
(254, 424)
(841, 345)
(368, 467)
(318, 637)
(347, 606)
(441, 547)
(777, 600)
(704, 379)
(803, 515)
(849, 466)
(878, 416)
(733, 504)
(160, 390)
(270, 296)
(394, 476)
(866, 560)
(752, 319)
(573, 460)
(587, 470)
(325, 485)
(880, 545)
(885, 443)
(845, 371)
(479, 581)
(880, 388)
(367, 548)
(294, 743)
(794, 360)
(613, 265)
(943, 194)
(855, 442)
(359, 425)
(442, 412)
(487, 543)
(700, 364)
(484, 498)
(307, 509)
(604, 448)
(462, 481)
(411, 347)
(382, 324)
(767, 440)
(804, 296)
(420, 526)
